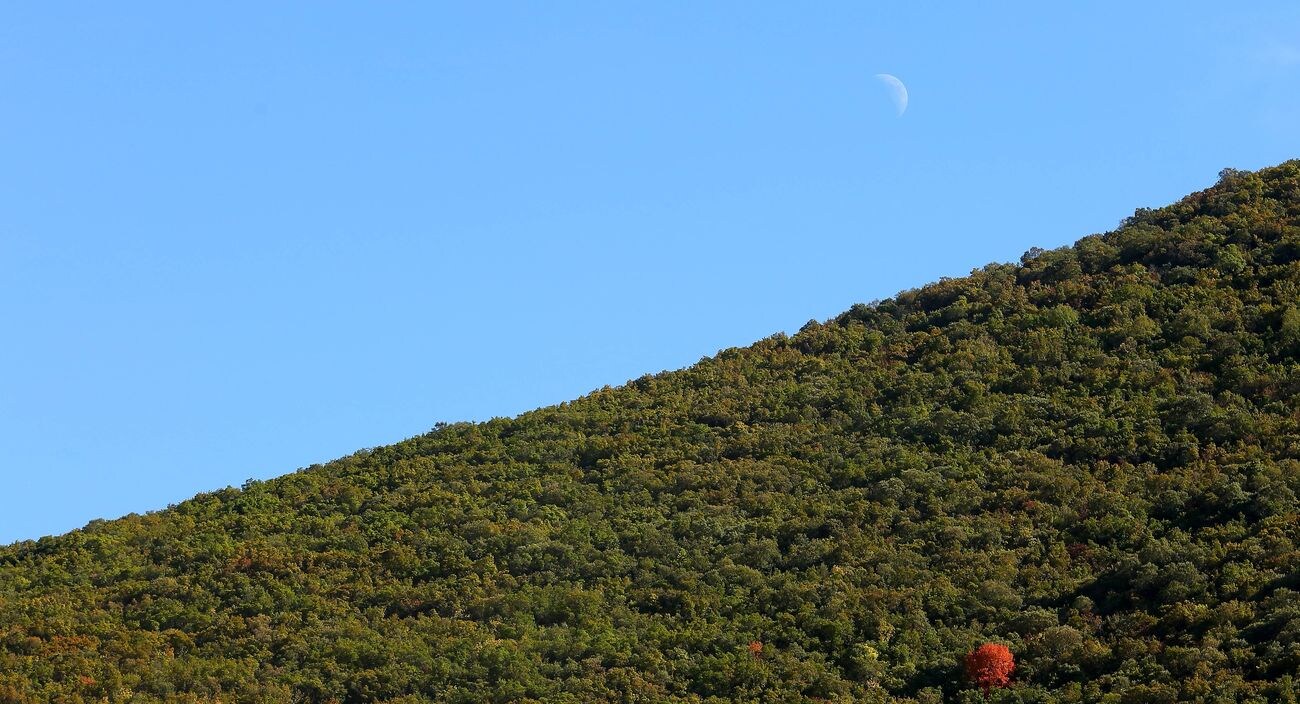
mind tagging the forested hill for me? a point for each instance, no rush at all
(1091, 457)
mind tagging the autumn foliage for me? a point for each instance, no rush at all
(990, 666)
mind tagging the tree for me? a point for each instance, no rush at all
(990, 666)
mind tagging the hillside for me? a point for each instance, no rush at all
(1092, 457)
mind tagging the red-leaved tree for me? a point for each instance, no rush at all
(990, 666)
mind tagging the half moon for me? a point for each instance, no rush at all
(897, 90)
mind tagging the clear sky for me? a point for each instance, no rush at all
(246, 237)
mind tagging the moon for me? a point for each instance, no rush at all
(897, 89)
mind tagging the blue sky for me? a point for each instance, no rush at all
(240, 239)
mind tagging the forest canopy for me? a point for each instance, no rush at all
(1090, 458)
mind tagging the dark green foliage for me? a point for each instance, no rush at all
(1092, 457)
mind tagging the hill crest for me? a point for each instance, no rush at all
(1091, 457)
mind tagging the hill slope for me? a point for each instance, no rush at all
(1092, 457)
